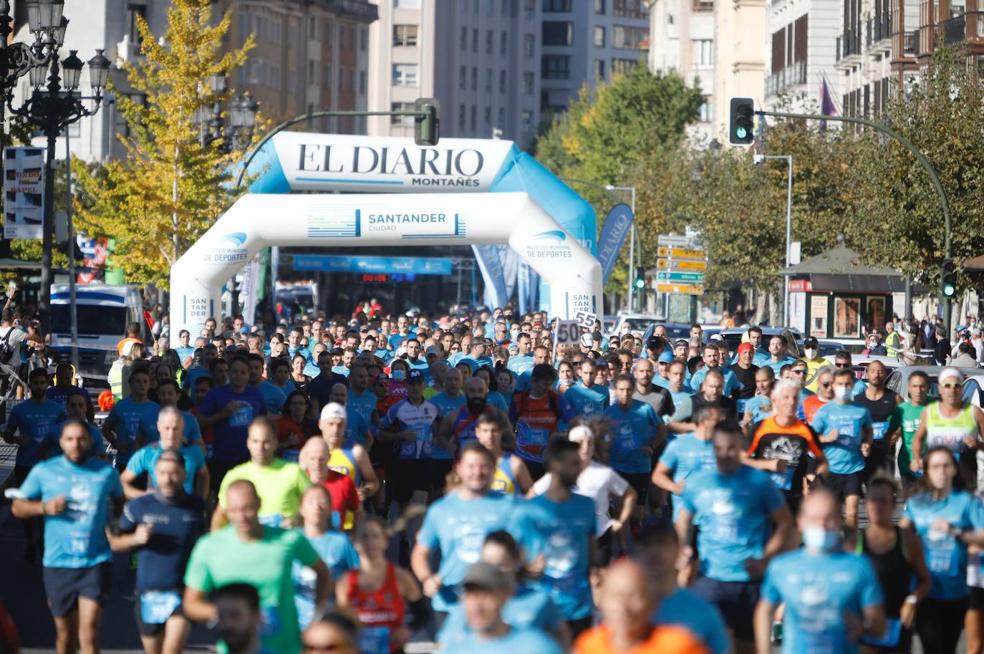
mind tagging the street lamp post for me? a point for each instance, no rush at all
(759, 158)
(231, 134)
(54, 103)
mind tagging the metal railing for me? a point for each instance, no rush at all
(848, 43)
(954, 29)
(910, 44)
(782, 79)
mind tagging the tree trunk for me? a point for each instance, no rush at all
(761, 306)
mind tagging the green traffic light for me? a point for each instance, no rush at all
(949, 290)
(640, 283)
(741, 133)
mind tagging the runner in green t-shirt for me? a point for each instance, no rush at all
(248, 552)
(911, 411)
(279, 483)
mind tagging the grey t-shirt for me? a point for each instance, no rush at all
(15, 337)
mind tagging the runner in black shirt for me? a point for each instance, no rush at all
(886, 417)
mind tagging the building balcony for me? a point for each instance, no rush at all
(785, 78)
(848, 44)
(910, 44)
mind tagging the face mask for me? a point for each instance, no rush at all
(818, 538)
(514, 334)
(398, 375)
(842, 393)
(810, 353)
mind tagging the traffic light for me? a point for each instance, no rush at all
(948, 278)
(741, 125)
(426, 126)
(640, 278)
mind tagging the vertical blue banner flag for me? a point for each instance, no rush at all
(613, 232)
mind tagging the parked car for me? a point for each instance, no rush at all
(638, 323)
(792, 338)
(898, 381)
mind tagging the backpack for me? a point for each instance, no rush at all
(6, 349)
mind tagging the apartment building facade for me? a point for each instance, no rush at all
(479, 58)
(801, 44)
(739, 35)
(681, 40)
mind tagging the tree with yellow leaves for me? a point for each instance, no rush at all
(170, 187)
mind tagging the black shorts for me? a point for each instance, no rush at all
(152, 628)
(975, 601)
(64, 587)
(639, 481)
(842, 486)
(735, 600)
(409, 476)
(439, 471)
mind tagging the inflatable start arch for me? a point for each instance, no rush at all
(363, 192)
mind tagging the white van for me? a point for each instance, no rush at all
(103, 312)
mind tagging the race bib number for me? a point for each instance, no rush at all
(374, 640)
(893, 632)
(879, 429)
(156, 607)
(242, 417)
(944, 555)
(531, 440)
(729, 528)
(784, 480)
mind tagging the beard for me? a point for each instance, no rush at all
(476, 405)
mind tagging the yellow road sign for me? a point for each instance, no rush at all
(680, 253)
(682, 266)
(685, 289)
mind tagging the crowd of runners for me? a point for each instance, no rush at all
(375, 484)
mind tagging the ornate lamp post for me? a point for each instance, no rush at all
(55, 102)
(238, 130)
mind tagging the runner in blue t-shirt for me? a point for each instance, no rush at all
(144, 460)
(167, 395)
(687, 455)
(126, 424)
(559, 526)
(456, 526)
(229, 410)
(411, 422)
(587, 399)
(448, 403)
(72, 493)
(34, 421)
(742, 522)
(845, 433)
(163, 527)
(334, 548)
(826, 593)
(635, 432)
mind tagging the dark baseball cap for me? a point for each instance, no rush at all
(810, 341)
(655, 343)
(415, 375)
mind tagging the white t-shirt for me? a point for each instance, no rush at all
(600, 483)
(16, 341)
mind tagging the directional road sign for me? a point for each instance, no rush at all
(665, 252)
(669, 239)
(685, 289)
(684, 265)
(686, 278)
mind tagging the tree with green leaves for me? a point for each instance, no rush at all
(170, 187)
(614, 133)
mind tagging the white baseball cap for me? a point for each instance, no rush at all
(950, 372)
(586, 340)
(333, 411)
(580, 433)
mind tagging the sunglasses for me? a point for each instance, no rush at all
(826, 384)
(950, 385)
(328, 647)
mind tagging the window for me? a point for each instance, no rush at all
(599, 6)
(555, 67)
(405, 35)
(362, 82)
(405, 121)
(703, 52)
(363, 39)
(406, 4)
(599, 69)
(463, 77)
(529, 45)
(464, 39)
(529, 81)
(313, 28)
(502, 81)
(327, 75)
(599, 36)
(489, 42)
(707, 111)
(556, 6)
(474, 78)
(628, 38)
(488, 116)
(558, 33)
(312, 73)
(502, 117)
(473, 118)
(475, 40)
(404, 74)
(628, 8)
(488, 80)
(461, 116)
(503, 43)
(623, 65)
